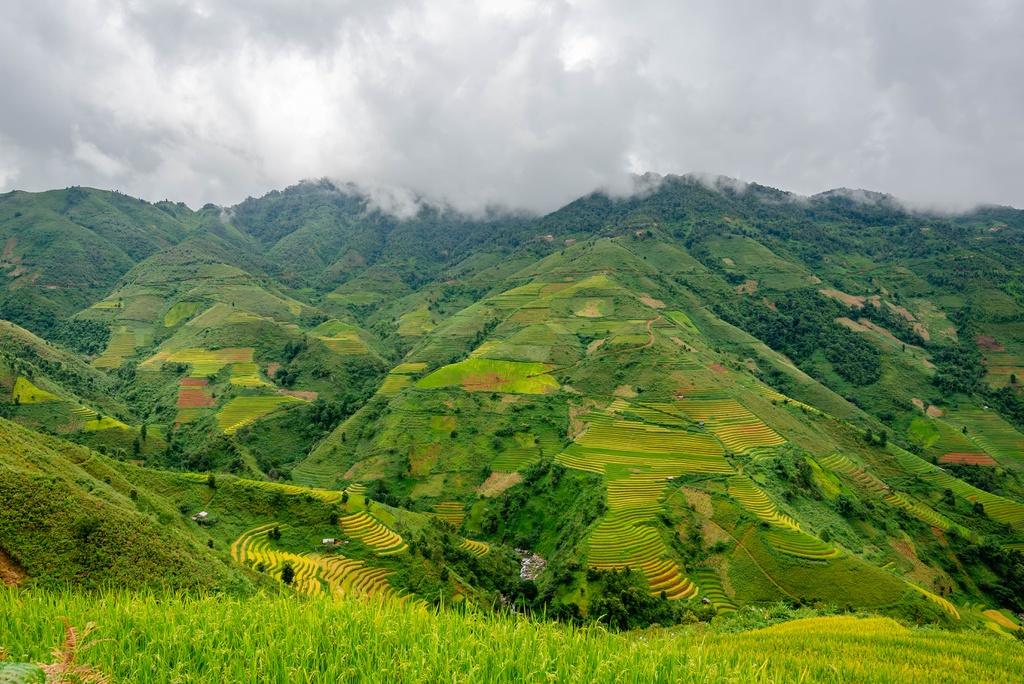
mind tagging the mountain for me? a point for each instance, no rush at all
(703, 391)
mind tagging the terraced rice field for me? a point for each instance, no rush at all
(478, 549)
(953, 441)
(923, 512)
(999, 365)
(329, 496)
(515, 458)
(451, 511)
(27, 393)
(737, 428)
(607, 432)
(242, 410)
(188, 415)
(664, 465)
(415, 323)
(937, 600)
(204, 362)
(621, 540)
(493, 376)
(373, 533)
(83, 413)
(998, 508)
(246, 374)
(841, 464)
(394, 383)
(990, 432)
(347, 344)
(121, 345)
(711, 584)
(800, 544)
(343, 576)
(625, 539)
(743, 489)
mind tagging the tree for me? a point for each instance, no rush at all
(136, 447)
(287, 573)
(211, 481)
(142, 432)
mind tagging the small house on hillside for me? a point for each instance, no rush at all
(201, 515)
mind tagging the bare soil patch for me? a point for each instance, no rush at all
(918, 403)
(308, 396)
(986, 343)
(848, 299)
(967, 459)
(749, 287)
(497, 482)
(11, 573)
(934, 411)
(653, 303)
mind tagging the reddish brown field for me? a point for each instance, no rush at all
(194, 398)
(718, 368)
(193, 382)
(967, 459)
(986, 343)
(481, 382)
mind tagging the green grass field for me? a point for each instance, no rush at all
(27, 393)
(160, 639)
(493, 376)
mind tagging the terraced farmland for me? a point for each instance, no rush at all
(993, 434)
(488, 375)
(711, 584)
(122, 345)
(953, 442)
(737, 428)
(204, 362)
(370, 531)
(937, 600)
(451, 511)
(998, 508)
(343, 576)
(743, 489)
(607, 432)
(621, 540)
(840, 463)
(478, 549)
(797, 543)
(923, 511)
(246, 374)
(242, 410)
(27, 393)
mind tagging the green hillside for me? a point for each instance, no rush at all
(690, 405)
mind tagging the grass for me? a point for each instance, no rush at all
(159, 638)
(180, 312)
(27, 393)
(242, 410)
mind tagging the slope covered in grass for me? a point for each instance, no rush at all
(157, 638)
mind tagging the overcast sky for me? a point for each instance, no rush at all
(528, 104)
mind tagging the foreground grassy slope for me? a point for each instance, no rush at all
(158, 638)
(70, 516)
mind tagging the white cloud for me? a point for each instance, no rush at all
(520, 102)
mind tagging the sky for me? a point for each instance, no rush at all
(513, 102)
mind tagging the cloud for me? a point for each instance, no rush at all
(524, 103)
